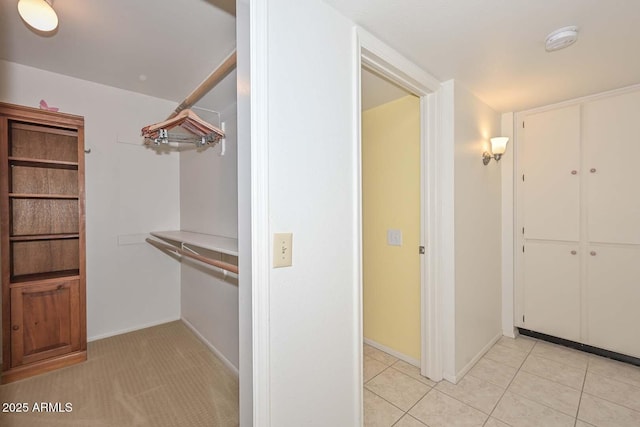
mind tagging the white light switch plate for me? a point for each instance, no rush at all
(282, 249)
(394, 237)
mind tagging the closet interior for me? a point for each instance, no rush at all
(153, 248)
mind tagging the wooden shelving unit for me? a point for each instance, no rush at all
(42, 235)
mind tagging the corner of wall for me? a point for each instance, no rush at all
(446, 233)
(477, 203)
(508, 221)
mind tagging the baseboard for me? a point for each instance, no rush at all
(461, 373)
(133, 329)
(511, 332)
(410, 360)
(211, 347)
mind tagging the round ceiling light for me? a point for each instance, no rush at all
(561, 38)
(38, 14)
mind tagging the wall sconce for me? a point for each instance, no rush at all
(38, 14)
(498, 147)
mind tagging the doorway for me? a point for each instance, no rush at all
(379, 58)
(390, 220)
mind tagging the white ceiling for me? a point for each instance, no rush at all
(175, 44)
(495, 48)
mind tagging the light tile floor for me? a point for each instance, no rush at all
(522, 382)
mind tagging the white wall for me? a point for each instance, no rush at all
(313, 341)
(477, 230)
(130, 190)
(209, 204)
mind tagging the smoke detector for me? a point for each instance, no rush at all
(561, 38)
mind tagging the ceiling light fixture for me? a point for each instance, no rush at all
(38, 14)
(561, 38)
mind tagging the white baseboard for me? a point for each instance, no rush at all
(211, 347)
(132, 329)
(511, 332)
(475, 360)
(410, 360)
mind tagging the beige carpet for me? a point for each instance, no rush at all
(160, 376)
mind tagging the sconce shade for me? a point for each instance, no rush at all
(38, 14)
(498, 147)
(499, 144)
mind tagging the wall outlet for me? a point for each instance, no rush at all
(282, 249)
(394, 237)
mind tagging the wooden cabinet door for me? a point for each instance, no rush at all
(612, 150)
(551, 168)
(613, 293)
(552, 289)
(45, 321)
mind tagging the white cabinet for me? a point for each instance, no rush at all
(552, 289)
(612, 152)
(578, 262)
(613, 294)
(551, 165)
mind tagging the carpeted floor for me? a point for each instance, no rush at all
(156, 377)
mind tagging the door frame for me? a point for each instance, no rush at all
(377, 56)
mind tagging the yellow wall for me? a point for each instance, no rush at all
(391, 199)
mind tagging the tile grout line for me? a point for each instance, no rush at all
(508, 385)
(402, 410)
(553, 381)
(527, 353)
(404, 413)
(391, 403)
(611, 401)
(413, 406)
(584, 381)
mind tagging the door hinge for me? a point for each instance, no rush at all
(522, 230)
(522, 248)
(421, 249)
(522, 177)
(523, 318)
(522, 125)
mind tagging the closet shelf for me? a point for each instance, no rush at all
(41, 196)
(42, 163)
(66, 274)
(44, 237)
(210, 242)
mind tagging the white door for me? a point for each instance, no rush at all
(551, 169)
(552, 289)
(612, 153)
(613, 295)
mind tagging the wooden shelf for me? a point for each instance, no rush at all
(44, 237)
(224, 245)
(42, 241)
(42, 196)
(44, 276)
(41, 163)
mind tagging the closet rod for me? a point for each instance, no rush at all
(225, 67)
(220, 264)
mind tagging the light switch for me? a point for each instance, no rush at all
(282, 249)
(394, 237)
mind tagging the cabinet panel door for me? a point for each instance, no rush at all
(45, 321)
(612, 150)
(613, 294)
(552, 289)
(551, 165)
